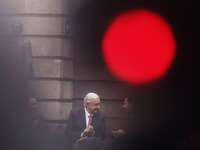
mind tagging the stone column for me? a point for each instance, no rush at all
(46, 23)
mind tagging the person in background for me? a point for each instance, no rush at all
(117, 139)
(128, 106)
(37, 120)
(20, 54)
(132, 132)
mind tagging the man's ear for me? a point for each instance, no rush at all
(87, 103)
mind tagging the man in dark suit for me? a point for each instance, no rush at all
(86, 126)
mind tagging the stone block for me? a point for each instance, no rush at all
(52, 68)
(78, 103)
(45, 89)
(46, 6)
(47, 68)
(34, 25)
(106, 90)
(65, 109)
(91, 71)
(50, 89)
(67, 69)
(66, 90)
(51, 26)
(13, 6)
(50, 110)
(31, 25)
(54, 110)
(67, 50)
(51, 47)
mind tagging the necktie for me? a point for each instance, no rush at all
(90, 119)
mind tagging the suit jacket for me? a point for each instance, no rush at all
(77, 123)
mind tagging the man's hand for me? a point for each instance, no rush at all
(88, 129)
(118, 133)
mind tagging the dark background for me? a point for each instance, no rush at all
(170, 105)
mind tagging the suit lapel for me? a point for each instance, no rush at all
(82, 118)
(94, 120)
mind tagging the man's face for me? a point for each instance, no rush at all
(94, 106)
(126, 105)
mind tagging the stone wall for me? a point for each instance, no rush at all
(45, 25)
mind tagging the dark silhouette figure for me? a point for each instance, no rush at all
(21, 53)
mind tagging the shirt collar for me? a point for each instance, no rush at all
(87, 113)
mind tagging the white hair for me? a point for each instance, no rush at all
(89, 97)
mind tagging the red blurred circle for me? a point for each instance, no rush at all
(139, 46)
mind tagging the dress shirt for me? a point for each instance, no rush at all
(87, 116)
(87, 120)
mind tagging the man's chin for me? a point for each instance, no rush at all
(96, 111)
